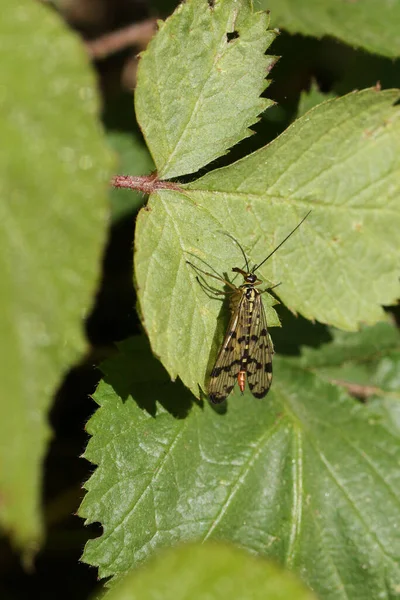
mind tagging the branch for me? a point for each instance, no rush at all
(138, 34)
(362, 392)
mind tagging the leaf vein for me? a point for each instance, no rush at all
(247, 465)
(335, 478)
(297, 508)
(192, 114)
(147, 488)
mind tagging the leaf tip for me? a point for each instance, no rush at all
(272, 60)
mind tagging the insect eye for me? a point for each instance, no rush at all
(251, 278)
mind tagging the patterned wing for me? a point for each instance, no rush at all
(259, 364)
(224, 374)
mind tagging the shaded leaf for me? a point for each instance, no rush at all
(54, 171)
(366, 348)
(301, 477)
(199, 83)
(367, 364)
(312, 98)
(371, 24)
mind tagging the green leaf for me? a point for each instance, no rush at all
(209, 572)
(371, 24)
(54, 169)
(342, 160)
(181, 318)
(199, 83)
(133, 159)
(312, 98)
(367, 364)
(368, 347)
(301, 477)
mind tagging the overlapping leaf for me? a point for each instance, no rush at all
(302, 476)
(209, 572)
(311, 98)
(367, 365)
(199, 83)
(54, 169)
(371, 24)
(342, 161)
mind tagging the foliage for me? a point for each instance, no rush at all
(54, 168)
(276, 477)
(308, 476)
(370, 25)
(209, 571)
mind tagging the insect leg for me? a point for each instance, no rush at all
(208, 289)
(271, 288)
(228, 283)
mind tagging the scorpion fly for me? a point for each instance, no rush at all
(246, 352)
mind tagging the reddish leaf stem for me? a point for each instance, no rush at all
(145, 184)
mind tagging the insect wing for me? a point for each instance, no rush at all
(224, 374)
(259, 365)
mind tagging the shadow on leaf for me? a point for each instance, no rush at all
(134, 373)
(296, 331)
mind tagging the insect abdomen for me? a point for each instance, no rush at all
(241, 380)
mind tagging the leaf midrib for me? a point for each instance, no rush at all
(194, 112)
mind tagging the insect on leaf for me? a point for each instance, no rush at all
(246, 352)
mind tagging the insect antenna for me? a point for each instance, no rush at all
(241, 250)
(254, 269)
